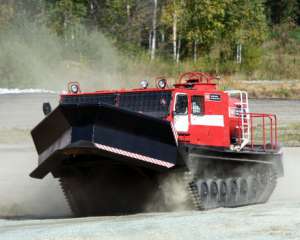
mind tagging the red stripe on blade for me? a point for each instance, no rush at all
(134, 155)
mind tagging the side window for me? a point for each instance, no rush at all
(197, 105)
(181, 106)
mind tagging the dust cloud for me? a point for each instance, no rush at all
(32, 56)
(287, 188)
(172, 195)
(22, 196)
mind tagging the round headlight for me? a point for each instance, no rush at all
(74, 88)
(144, 84)
(162, 83)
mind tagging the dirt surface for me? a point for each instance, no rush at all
(264, 222)
(32, 204)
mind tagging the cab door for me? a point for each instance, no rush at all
(181, 118)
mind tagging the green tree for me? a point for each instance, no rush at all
(204, 22)
(127, 21)
(244, 27)
(173, 18)
(244, 21)
(279, 11)
(65, 15)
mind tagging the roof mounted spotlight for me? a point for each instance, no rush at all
(162, 83)
(144, 84)
(74, 87)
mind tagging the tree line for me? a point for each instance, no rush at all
(172, 29)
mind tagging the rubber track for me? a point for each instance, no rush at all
(270, 186)
(195, 197)
(71, 192)
(193, 190)
(67, 189)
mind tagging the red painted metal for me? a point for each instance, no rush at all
(201, 128)
(273, 135)
(206, 134)
(271, 130)
(252, 132)
(276, 131)
(119, 91)
(264, 133)
(199, 77)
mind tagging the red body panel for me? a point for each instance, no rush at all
(216, 124)
(198, 134)
(206, 133)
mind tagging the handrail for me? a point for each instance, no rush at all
(243, 131)
(273, 135)
(200, 77)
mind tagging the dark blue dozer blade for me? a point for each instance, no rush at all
(106, 132)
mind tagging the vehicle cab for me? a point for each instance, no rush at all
(203, 115)
(199, 111)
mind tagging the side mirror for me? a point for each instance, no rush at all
(47, 108)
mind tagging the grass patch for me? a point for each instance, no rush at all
(265, 89)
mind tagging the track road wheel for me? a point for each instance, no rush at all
(233, 190)
(268, 181)
(204, 191)
(253, 189)
(214, 194)
(223, 192)
(204, 194)
(243, 193)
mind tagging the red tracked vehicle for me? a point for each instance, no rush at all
(110, 148)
